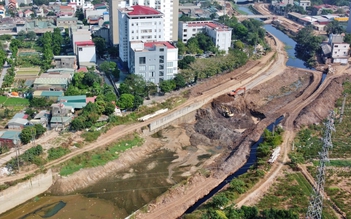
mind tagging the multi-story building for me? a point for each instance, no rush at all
(138, 23)
(86, 52)
(80, 3)
(79, 34)
(155, 61)
(169, 8)
(305, 3)
(339, 49)
(220, 34)
(114, 5)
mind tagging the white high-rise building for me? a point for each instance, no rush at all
(138, 23)
(169, 8)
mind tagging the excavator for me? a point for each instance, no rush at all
(234, 92)
(227, 112)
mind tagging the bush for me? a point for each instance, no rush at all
(91, 136)
(55, 153)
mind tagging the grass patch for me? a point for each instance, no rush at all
(336, 163)
(55, 153)
(2, 99)
(15, 101)
(91, 136)
(100, 156)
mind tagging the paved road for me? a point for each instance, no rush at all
(3, 72)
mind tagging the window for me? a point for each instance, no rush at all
(169, 64)
(80, 49)
(142, 60)
(162, 50)
(161, 74)
(161, 67)
(142, 68)
(169, 70)
(159, 36)
(152, 67)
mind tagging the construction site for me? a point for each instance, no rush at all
(211, 134)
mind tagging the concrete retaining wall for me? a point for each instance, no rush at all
(22, 192)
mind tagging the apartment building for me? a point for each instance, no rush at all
(220, 34)
(138, 23)
(155, 61)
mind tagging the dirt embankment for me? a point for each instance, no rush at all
(318, 110)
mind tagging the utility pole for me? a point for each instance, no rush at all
(316, 205)
(15, 142)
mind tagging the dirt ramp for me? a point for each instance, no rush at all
(320, 107)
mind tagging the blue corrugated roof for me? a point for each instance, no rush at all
(78, 98)
(51, 93)
(11, 135)
(75, 105)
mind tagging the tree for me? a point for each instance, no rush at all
(138, 101)
(167, 86)
(77, 124)
(219, 200)
(107, 67)
(27, 134)
(39, 130)
(186, 61)
(113, 51)
(181, 47)
(100, 46)
(347, 38)
(31, 35)
(179, 81)
(126, 101)
(334, 27)
(80, 14)
(109, 108)
(57, 41)
(90, 78)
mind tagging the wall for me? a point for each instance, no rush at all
(87, 54)
(22, 192)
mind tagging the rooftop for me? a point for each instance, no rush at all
(142, 10)
(75, 105)
(153, 44)
(59, 119)
(85, 43)
(20, 116)
(73, 98)
(19, 121)
(67, 18)
(218, 26)
(11, 135)
(48, 93)
(57, 81)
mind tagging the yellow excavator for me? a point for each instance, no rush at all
(227, 112)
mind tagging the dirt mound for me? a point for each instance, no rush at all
(320, 107)
(272, 95)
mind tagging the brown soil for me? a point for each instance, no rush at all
(319, 108)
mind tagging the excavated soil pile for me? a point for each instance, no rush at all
(319, 109)
(228, 119)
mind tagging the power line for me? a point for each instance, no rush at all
(316, 205)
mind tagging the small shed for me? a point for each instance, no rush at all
(41, 118)
(17, 123)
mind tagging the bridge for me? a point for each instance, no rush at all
(257, 16)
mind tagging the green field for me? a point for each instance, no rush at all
(2, 99)
(28, 71)
(13, 101)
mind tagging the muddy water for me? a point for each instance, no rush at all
(114, 197)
